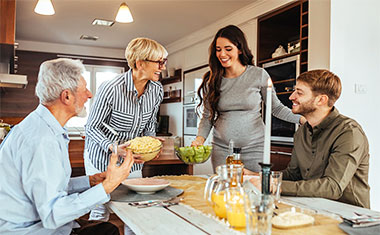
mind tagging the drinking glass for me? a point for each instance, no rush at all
(275, 184)
(276, 181)
(259, 211)
(119, 151)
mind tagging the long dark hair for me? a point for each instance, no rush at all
(209, 91)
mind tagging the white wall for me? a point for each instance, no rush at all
(319, 34)
(355, 58)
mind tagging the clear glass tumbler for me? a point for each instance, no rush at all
(259, 211)
(275, 184)
(276, 181)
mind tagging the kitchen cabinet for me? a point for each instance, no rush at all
(7, 21)
(167, 164)
(172, 96)
(287, 27)
(7, 32)
(76, 148)
(280, 156)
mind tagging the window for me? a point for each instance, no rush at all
(94, 76)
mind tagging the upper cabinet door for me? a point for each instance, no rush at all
(7, 21)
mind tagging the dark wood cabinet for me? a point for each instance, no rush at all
(280, 156)
(304, 35)
(172, 96)
(7, 33)
(76, 148)
(287, 26)
(7, 21)
(164, 165)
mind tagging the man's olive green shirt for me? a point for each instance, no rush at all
(329, 160)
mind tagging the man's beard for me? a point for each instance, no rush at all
(306, 108)
(81, 112)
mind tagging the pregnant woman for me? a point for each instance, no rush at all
(231, 94)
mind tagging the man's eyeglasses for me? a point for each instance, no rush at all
(160, 63)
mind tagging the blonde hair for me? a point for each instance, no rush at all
(143, 49)
(322, 81)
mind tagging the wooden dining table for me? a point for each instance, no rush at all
(194, 215)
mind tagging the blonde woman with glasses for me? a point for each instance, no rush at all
(128, 104)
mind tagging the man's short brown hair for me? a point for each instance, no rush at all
(322, 81)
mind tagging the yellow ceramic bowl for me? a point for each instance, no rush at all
(148, 155)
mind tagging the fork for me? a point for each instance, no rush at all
(167, 203)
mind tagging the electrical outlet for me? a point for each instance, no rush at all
(360, 88)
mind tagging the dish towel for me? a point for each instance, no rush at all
(359, 231)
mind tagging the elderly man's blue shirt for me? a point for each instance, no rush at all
(37, 195)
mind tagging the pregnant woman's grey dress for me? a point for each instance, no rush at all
(240, 117)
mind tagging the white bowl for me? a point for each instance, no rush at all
(146, 185)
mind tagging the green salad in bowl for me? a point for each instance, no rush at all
(194, 155)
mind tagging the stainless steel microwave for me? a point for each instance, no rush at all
(283, 73)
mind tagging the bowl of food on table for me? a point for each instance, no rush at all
(289, 217)
(146, 185)
(194, 154)
(147, 147)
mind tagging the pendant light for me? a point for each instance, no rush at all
(44, 7)
(124, 14)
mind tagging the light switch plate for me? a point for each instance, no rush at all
(360, 88)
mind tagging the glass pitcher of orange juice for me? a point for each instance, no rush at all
(228, 176)
(236, 216)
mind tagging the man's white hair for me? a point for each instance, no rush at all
(56, 76)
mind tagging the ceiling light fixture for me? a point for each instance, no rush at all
(89, 37)
(44, 7)
(124, 14)
(100, 22)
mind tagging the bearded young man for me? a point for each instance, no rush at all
(330, 157)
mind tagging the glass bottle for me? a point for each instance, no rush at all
(230, 155)
(236, 156)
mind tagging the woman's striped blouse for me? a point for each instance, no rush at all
(117, 104)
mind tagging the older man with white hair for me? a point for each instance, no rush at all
(37, 195)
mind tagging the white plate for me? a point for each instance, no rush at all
(146, 185)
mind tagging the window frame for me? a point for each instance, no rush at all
(78, 131)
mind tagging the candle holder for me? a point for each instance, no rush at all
(265, 177)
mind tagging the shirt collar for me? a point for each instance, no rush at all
(51, 121)
(326, 121)
(131, 85)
